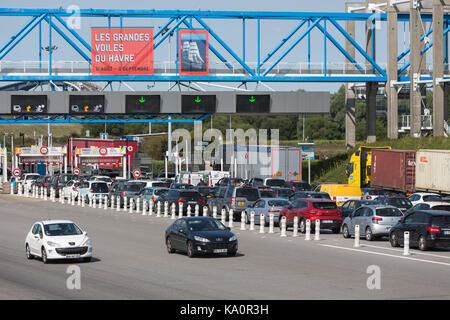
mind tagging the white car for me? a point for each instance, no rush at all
(57, 239)
(71, 188)
(29, 178)
(421, 197)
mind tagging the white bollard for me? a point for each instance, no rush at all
(172, 211)
(308, 230)
(215, 212)
(180, 210)
(19, 189)
(73, 199)
(125, 204)
(166, 209)
(144, 207)
(117, 203)
(295, 227)
(283, 227)
(223, 216)
(197, 209)
(138, 205)
(230, 218)
(189, 211)
(271, 222)
(27, 192)
(205, 211)
(406, 243)
(357, 236)
(158, 209)
(317, 230)
(79, 200)
(105, 203)
(83, 201)
(150, 208)
(61, 197)
(11, 189)
(243, 220)
(131, 205)
(252, 220)
(262, 223)
(45, 194)
(41, 192)
(94, 202)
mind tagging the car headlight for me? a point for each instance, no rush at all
(233, 238)
(52, 244)
(87, 243)
(201, 239)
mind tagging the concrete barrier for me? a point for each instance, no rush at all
(262, 223)
(295, 227)
(271, 222)
(283, 227)
(317, 230)
(406, 243)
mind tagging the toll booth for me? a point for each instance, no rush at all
(41, 159)
(97, 157)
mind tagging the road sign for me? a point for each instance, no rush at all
(82, 104)
(23, 104)
(198, 103)
(142, 104)
(44, 150)
(137, 173)
(256, 103)
(130, 148)
(103, 151)
(17, 172)
(76, 171)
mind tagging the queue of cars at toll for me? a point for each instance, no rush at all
(378, 213)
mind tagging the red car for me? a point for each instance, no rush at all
(326, 211)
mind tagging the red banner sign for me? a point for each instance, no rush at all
(122, 51)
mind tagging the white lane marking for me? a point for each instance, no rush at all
(401, 250)
(387, 255)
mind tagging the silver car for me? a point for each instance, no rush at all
(266, 206)
(373, 220)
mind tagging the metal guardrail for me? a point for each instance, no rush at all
(405, 123)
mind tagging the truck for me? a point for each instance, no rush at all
(394, 170)
(360, 165)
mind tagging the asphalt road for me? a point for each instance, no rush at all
(131, 262)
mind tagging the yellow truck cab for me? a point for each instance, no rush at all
(342, 192)
(359, 168)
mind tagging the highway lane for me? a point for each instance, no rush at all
(131, 262)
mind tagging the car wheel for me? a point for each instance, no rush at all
(170, 249)
(369, 234)
(28, 252)
(44, 256)
(190, 249)
(423, 245)
(393, 239)
(336, 230)
(345, 232)
(302, 226)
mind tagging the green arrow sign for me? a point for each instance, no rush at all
(252, 99)
(142, 100)
(198, 100)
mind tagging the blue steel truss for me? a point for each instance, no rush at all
(266, 65)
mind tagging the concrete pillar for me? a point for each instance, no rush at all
(371, 87)
(350, 99)
(415, 106)
(438, 68)
(392, 72)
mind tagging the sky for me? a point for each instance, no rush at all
(271, 32)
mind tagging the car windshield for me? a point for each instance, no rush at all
(61, 229)
(99, 187)
(266, 193)
(250, 194)
(400, 202)
(278, 203)
(389, 212)
(318, 196)
(205, 225)
(275, 183)
(190, 195)
(324, 205)
(161, 184)
(433, 197)
(257, 182)
(33, 177)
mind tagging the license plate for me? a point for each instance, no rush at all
(327, 221)
(447, 232)
(220, 250)
(72, 256)
(240, 203)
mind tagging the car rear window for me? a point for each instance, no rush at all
(161, 184)
(389, 212)
(377, 192)
(324, 205)
(206, 190)
(275, 183)
(99, 187)
(284, 192)
(266, 194)
(432, 198)
(318, 196)
(278, 203)
(134, 187)
(401, 203)
(440, 220)
(32, 177)
(159, 192)
(190, 195)
(441, 208)
(250, 194)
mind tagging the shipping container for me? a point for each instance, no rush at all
(433, 171)
(393, 170)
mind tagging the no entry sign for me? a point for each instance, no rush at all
(44, 150)
(137, 173)
(103, 151)
(17, 172)
(76, 171)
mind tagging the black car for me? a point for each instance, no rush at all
(283, 192)
(351, 205)
(400, 202)
(308, 195)
(187, 197)
(205, 191)
(184, 186)
(200, 235)
(427, 229)
(298, 185)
